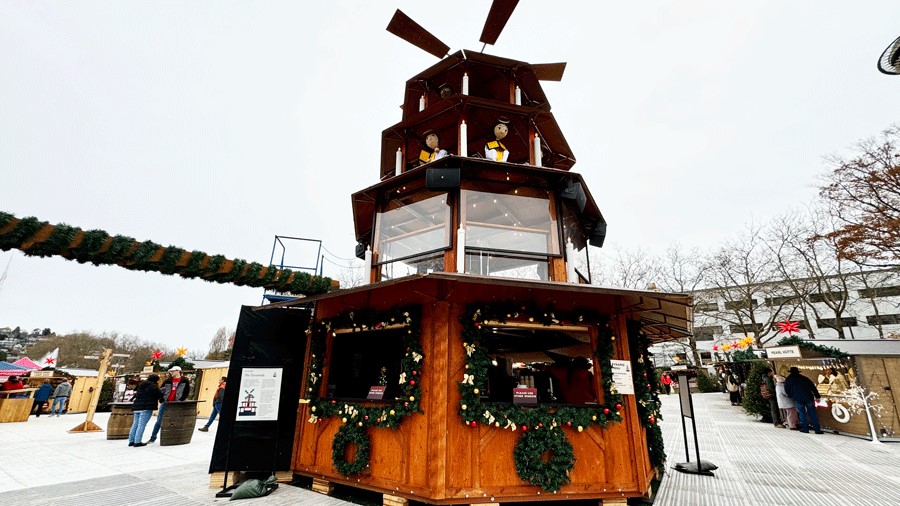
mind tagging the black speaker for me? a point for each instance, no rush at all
(598, 234)
(436, 179)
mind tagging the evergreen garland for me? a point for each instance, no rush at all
(646, 393)
(381, 415)
(535, 419)
(39, 238)
(827, 351)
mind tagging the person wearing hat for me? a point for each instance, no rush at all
(804, 393)
(146, 398)
(495, 150)
(434, 152)
(175, 388)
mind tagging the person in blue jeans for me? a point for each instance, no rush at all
(146, 398)
(217, 405)
(60, 394)
(175, 388)
(804, 394)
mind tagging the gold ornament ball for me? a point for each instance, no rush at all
(594, 418)
(411, 398)
(392, 412)
(313, 409)
(344, 419)
(360, 424)
(475, 391)
(464, 407)
(580, 428)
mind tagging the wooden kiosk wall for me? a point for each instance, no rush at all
(434, 457)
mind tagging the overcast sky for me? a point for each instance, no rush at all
(217, 125)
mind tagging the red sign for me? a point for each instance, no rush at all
(525, 396)
(376, 393)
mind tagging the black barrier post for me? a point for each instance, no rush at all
(687, 410)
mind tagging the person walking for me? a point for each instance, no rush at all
(667, 382)
(217, 405)
(767, 390)
(733, 385)
(146, 398)
(40, 398)
(785, 403)
(804, 394)
(175, 388)
(60, 394)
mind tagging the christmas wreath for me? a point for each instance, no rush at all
(350, 435)
(543, 419)
(544, 458)
(359, 418)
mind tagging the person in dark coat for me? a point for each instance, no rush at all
(40, 397)
(146, 399)
(804, 394)
(217, 405)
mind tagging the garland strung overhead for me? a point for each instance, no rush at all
(39, 238)
(646, 393)
(828, 351)
(541, 426)
(357, 419)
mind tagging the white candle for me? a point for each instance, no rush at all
(571, 275)
(399, 163)
(461, 250)
(463, 139)
(518, 96)
(537, 151)
(465, 86)
(367, 273)
(422, 103)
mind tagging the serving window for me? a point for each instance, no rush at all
(362, 360)
(558, 364)
(410, 233)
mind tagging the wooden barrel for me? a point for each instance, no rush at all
(179, 423)
(120, 420)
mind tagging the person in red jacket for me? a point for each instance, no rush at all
(667, 382)
(13, 383)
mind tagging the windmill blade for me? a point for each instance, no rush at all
(889, 63)
(496, 20)
(404, 27)
(549, 71)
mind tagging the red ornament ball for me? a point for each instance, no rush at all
(366, 417)
(524, 428)
(540, 424)
(412, 382)
(414, 373)
(473, 423)
(618, 407)
(406, 404)
(568, 424)
(605, 411)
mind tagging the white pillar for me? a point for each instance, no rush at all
(571, 275)
(518, 96)
(398, 165)
(537, 151)
(367, 272)
(422, 103)
(461, 250)
(463, 139)
(465, 84)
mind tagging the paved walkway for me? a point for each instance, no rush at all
(758, 464)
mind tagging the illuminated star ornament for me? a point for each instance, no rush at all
(788, 327)
(182, 352)
(157, 355)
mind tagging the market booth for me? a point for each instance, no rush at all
(449, 388)
(845, 371)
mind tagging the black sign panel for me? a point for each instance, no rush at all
(264, 338)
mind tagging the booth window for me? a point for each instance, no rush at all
(557, 364)
(509, 234)
(357, 360)
(411, 234)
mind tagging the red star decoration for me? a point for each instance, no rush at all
(49, 360)
(788, 327)
(157, 355)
